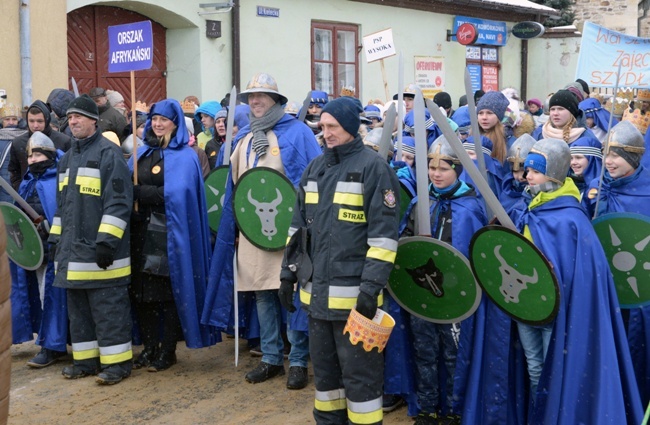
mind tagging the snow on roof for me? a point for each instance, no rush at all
(525, 4)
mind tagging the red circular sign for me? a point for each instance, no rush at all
(438, 81)
(466, 34)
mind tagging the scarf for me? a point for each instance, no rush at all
(550, 132)
(259, 127)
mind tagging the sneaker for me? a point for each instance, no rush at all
(427, 419)
(112, 375)
(76, 372)
(451, 419)
(298, 378)
(391, 402)
(45, 358)
(163, 361)
(264, 371)
(256, 351)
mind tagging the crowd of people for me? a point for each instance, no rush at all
(130, 257)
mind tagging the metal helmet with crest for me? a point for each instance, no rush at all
(39, 142)
(441, 149)
(518, 151)
(262, 83)
(373, 139)
(557, 155)
(627, 137)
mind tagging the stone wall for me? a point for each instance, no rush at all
(617, 15)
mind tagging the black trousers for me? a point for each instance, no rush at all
(159, 324)
(349, 380)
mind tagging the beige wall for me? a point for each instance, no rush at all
(48, 48)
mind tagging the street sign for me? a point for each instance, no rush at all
(527, 30)
(130, 47)
(379, 45)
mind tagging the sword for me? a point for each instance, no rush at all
(75, 89)
(421, 175)
(478, 146)
(467, 162)
(230, 122)
(400, 108)
(386, 135)
(236, 305)
(305, 107)
(609, 135)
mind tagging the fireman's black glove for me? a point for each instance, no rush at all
(104, 255)
(367, 305)
(286, 295)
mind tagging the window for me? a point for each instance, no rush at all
(335, 58)
(483, 65)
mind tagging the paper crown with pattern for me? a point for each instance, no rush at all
(347, 91)
(142, 107)
(188, 107)
(372, 333)
(10, 110)
(640, 120)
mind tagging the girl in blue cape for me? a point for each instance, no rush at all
(169, 299)
(586, 162)
(579, 365)
(36, 305)
(565, 120)
(456, 214)
(495, 170)
(596, 118)
(625, 188)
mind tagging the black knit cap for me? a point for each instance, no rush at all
(584, 85)
(567, 100)
(346, 111)
(84, 105)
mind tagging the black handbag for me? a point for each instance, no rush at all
(154, 251)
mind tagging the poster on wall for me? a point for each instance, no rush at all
(490, 76)
(475, 76)
(430, 74)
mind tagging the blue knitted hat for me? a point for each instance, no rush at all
(494, 101)
(346, 111)
(536, 162)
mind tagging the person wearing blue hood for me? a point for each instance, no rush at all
(50, 316)
(586, 161)
(276, 140)
(170, 247)
(596, 118)
(205, 114)
(373, 113)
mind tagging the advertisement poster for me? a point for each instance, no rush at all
(430, 74)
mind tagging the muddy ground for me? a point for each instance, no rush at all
(203, 388)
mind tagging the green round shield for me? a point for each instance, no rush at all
(515, 275)
(24, 245)
(264, 200)
(405, 199)
(624, 238)
(432, 280)
(215, 191)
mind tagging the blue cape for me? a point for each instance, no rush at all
(188, 234)
(50, 321)
(630, 194)
(592, 109)
(587, 375)
(298, 147)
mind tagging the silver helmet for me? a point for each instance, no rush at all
(373, 138)
(40, 142)
(441, 149)
(557, 158)
(519, 150)
(262, 83)
(627, 137)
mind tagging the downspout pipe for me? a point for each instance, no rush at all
(236, 56)
(25, 54)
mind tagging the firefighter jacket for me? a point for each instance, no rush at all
(94, 201)
(348, 202)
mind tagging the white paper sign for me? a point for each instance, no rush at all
(379, 45)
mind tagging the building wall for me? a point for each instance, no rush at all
(552, 64)
(48, 49)
(617, 15)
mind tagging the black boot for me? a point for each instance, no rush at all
(145, 358)
(164, 360)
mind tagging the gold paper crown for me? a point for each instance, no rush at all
(188, 107)
(141, 107)
(347, 91)
(371, 333)
(598, 96)
(626, 93)
(620, 105)
(643, 95)
(10, 110)
(639, 120)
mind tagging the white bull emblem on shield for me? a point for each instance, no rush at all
(266, 212)
(512, 282)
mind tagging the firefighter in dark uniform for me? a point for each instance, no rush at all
(90, 238)
(348, 205)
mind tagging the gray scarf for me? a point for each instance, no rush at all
(549, 186)
(259, 127)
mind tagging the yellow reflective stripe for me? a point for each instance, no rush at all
(110, 229)
(366, 418)
(89, 185)
(99, 274)
(63, 183)
(348, 199)
(85, 350)
(305, 295)
(347, 303)
(311, 197)
(352, 216)
(116, 358)
(327, 401)
(55, 230)
(381, 254)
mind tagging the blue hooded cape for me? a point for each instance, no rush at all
(629, 194)
(495, 171)
(587, 377)
(188, 234)
(594, 164)
(593, 109)
(297, 147)
(50, 321)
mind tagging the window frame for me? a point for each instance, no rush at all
(335, 27)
